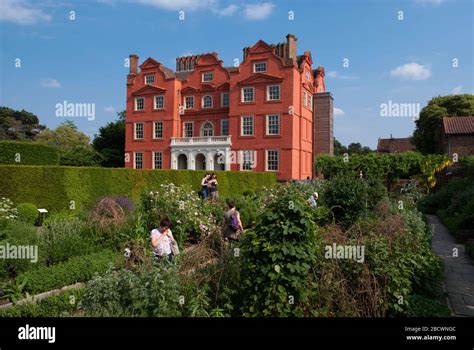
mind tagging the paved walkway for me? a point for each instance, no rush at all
(459, 271)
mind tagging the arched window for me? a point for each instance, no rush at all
(207, 129)
(207, 101)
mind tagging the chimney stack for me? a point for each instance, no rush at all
(133, 64)
(319, 80)
(291, 47)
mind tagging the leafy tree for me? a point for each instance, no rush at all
(110, 142)
(73, 145)
(427, 135)
(18, 125)
(339, 148)
(357, 148)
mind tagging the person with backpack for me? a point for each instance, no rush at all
(232, 223)
(204, 186)
(213, 187)
(163, 243)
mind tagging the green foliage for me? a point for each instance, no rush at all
(189, 215)
(27, 153)
(77, 269)
(54, 187)
(61, 240)
(427, 135)
(276, 257)
(110, 143)
(27, 213)
(73, 145)
(17, 233)
(18, 125)
(63, 305)
(421, 306)
(14, 290)
(145, 292)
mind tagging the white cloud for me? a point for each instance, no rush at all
(226, 11)
(21, 13)
(429, 2)
(335, 75)
(258, 11)
(50, 83)
(338, 112)
(457, 90)
(109, 109)
(178, 4)
(413, 71)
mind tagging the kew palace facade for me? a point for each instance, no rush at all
(271, 113)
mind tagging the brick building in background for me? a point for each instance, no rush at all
(458, 136)
(271, 113)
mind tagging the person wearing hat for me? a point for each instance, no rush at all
(313, 200)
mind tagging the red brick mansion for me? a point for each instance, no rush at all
(271, 113)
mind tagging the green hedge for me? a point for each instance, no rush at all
(65, 304)
(53, 187)
(27, 153)
(77, 269)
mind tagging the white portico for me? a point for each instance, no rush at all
(201, 153)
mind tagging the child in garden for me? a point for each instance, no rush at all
(162, 241)
(232, 224)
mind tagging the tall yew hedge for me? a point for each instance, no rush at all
(27, 153)
(54, 187)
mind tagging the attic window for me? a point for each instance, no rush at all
(208, 76)
(259, 67)
(149, 79)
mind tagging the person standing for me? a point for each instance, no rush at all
(161, 241)
(313, 200)
(232, 223)
(204, 186)
(213, 187)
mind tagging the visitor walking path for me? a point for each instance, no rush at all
(458, 271)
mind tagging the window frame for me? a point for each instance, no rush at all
(150, 75)
(135, 160)
(185, 102)
(184, 128)
(267, 160)
(242, 125)
(279, 92)
(267, 124)
(242, 94)
(260, 62)
(155, 105)
(136, 104)
(253, 154)
(135, 124)
(222, 99)
(204, 80)
(162, 130)
(203, 104)
(154, 159)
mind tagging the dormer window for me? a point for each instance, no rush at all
(260, 67)
(208, 76)
(149, 79)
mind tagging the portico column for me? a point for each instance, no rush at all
(210, 160)
(174, 160)
(227, 159)
(191, 160)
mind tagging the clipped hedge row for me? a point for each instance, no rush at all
(27, 153)
(54, 187)
(77, 269)
(63, 305)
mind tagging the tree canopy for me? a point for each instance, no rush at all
(18, 125)
(110, 142)
(427, 135)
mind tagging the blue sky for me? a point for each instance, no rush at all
(390, 58)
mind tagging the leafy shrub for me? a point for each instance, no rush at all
(63, 305)
(64, 239)
(27, 153)
(189, 215)
(125, 203)
(421, 306)
(106, 212)
(7, 211)
(276, 257)
(150, 290)
(19, 234)
(76, 269)
(27, 212)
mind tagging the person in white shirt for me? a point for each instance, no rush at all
(161, 239)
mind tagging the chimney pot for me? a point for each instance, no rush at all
(133, 64)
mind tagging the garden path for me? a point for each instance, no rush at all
(458, 270)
